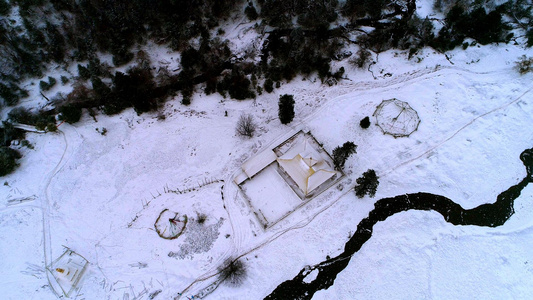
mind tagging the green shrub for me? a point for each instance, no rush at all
(8, 160)
(269, 85)
(51, 127)
(27, 144)
(11, 93)
(186, 94)
(20, 115)
(250, 12)
(9, 133)
(365, 123)
(484, 27)
(5, 8)
(134, 89)
(44, 120)
(367, 184)
(64, 80)
(238, 86)
(83, 72)
(529, 36)
(341, 154)
(524, 65)
(69, 113)
(286, 108)
(122, 57)
(45, 86)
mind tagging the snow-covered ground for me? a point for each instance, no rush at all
(100, 195)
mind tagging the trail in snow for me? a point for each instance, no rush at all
(490, 215)
(45, 208)
(45, 203)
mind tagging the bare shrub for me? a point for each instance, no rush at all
(246, 125)
(361, 59)
(232, 272)
(524, 65)
(80, 95)
(201, 218)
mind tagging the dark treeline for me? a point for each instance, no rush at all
(302, 37)
(65, 31)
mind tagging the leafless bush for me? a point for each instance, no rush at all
(246, 125)
(80, 94)
(232, 272)
(201, 218)
(524, 65)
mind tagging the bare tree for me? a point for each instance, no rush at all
(246, 125)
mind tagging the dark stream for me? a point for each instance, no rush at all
(490, 215)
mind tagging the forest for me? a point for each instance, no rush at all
(301, 37)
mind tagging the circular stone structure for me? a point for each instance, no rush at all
(170, 225)
(396, 117)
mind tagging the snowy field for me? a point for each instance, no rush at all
(100, 195)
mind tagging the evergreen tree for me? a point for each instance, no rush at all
(11, 93)
(250, 12)
(365, 123)
(286, 108)
(367, 184)
(269, 85)
(5, 8)
(70, 113)
(341, 154)
(8, 133)
(83, 72)
(8, 159)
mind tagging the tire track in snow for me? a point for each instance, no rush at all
(45, 204)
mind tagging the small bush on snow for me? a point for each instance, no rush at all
(232, 272)
(246, 125)
(524, 64)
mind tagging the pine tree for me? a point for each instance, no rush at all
(286, 108)
(367, 184)
(5, 8)
(70, 113)
(250, 12)
(341, 154)
(365, 123)
(269, 85)
(8, 159)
